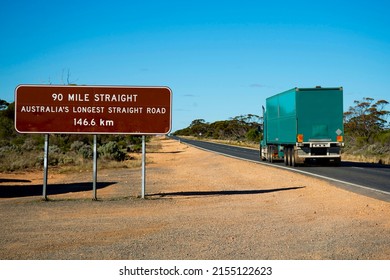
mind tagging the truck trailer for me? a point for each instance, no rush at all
(303, 124)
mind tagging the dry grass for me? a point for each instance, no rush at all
(382, 159)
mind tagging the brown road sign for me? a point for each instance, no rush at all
(93, 109)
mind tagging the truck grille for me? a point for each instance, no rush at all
(319, 151)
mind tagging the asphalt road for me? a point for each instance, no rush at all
(365, 178)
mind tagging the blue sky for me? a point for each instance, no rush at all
(220, 58)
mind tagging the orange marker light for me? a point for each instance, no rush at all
(300, 138)
(339, 138)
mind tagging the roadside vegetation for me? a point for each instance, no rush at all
(367, 131)
(243, 128)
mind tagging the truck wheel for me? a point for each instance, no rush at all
(270, 152)
(293, 158)
(262, 157)
(260, 153)
(289, 156)
(286, 152)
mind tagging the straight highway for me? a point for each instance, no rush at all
(368, 179)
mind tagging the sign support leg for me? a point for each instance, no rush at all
(143, 166)
(45, 166)
(94, 176)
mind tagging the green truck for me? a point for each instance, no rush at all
(303, 124)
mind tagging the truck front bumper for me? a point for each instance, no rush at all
(319, 150)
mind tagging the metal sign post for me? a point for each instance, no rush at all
(143, 167)
(94, 176)
(45, 166)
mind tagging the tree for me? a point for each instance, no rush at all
(244, 127)
(198, 127)
(7, 112)
(367, 118)
(3, 104)
(249, 119)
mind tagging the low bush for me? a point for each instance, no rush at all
(111, 151)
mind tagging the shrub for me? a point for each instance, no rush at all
(111, 151)
(86, 151)
(253, 135)
(76, 146)
(54, 149)
(384, 138)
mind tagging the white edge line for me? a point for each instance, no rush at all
(293, 170)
